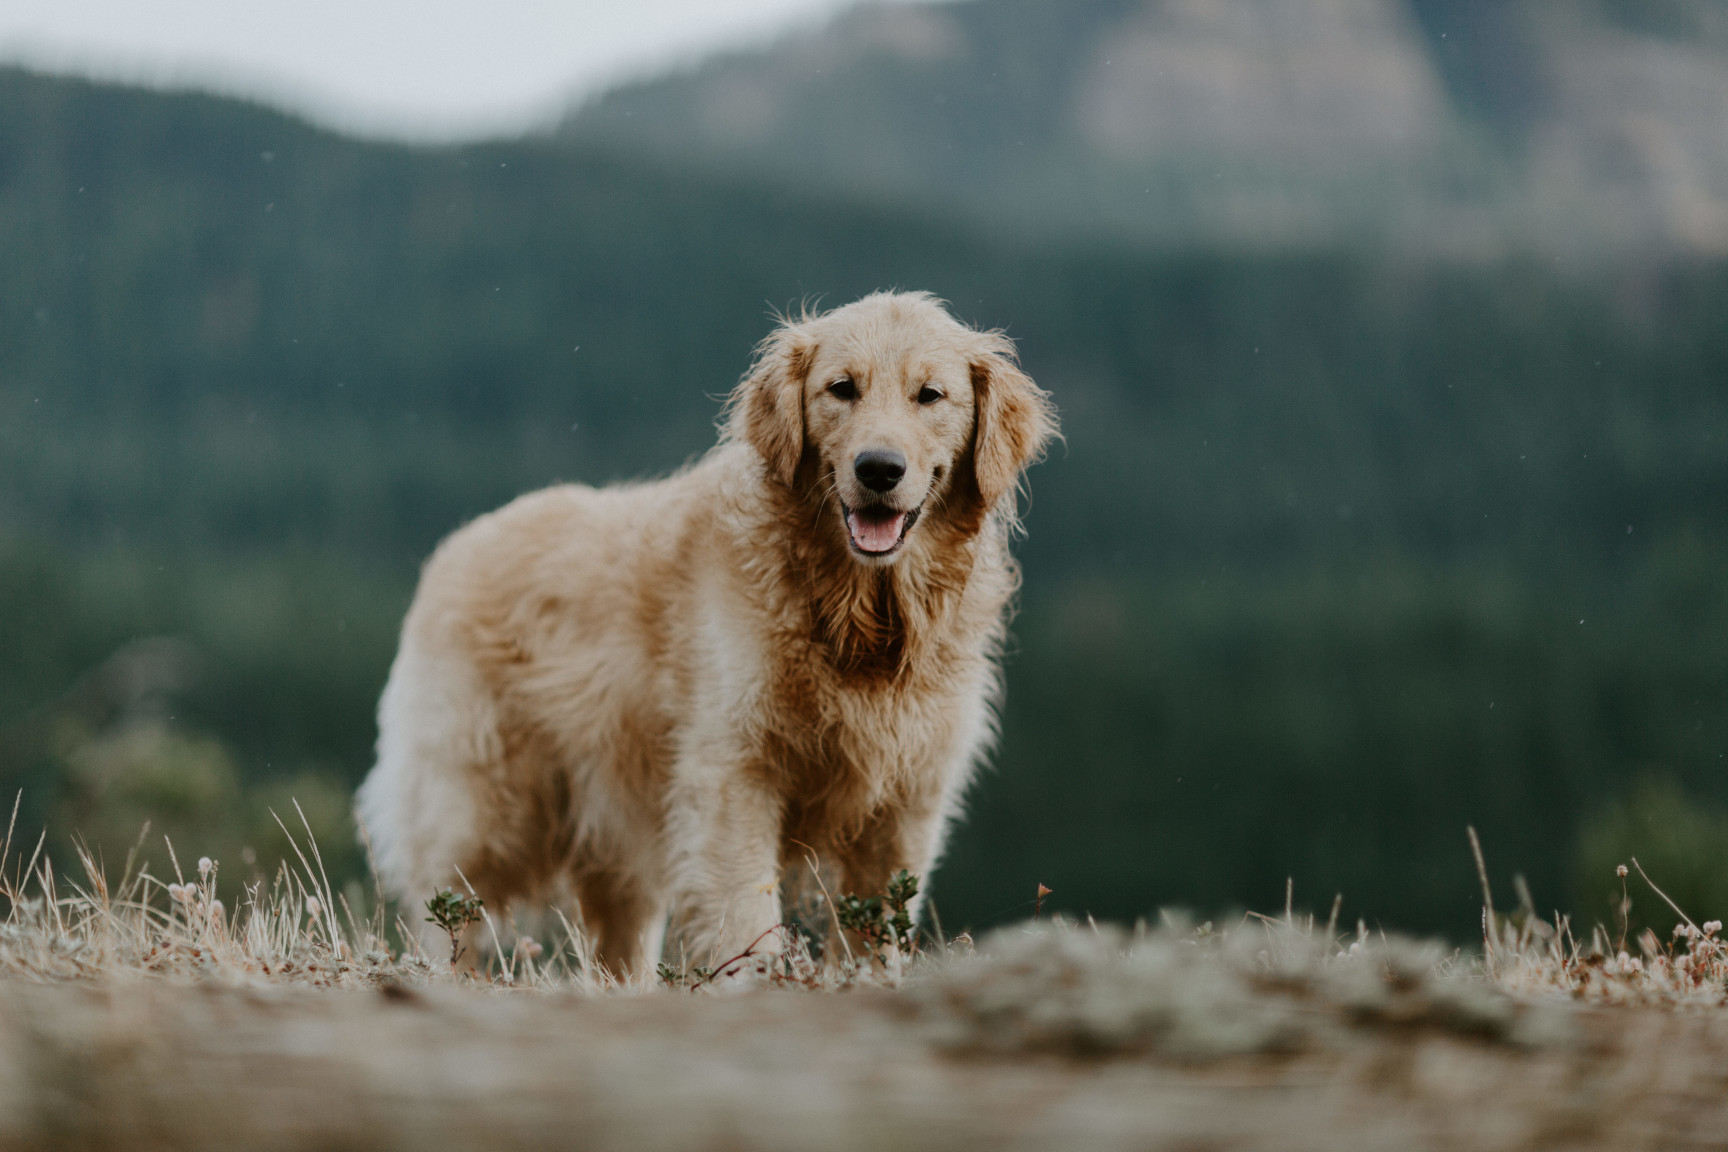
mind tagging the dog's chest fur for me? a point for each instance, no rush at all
(875, 690)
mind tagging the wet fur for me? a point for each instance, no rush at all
(661, 698)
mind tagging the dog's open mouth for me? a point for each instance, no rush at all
(876, 530)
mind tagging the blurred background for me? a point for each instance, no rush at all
(1390, 338)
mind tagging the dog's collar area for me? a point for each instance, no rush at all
(875, 530)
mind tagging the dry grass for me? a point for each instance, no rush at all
(295, 930)
(145, 1014)
(1526, 955)
(298, 930)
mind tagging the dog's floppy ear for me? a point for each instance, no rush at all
(1015, 419)
(768, 405)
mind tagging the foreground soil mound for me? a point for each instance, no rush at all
(1055, 1039)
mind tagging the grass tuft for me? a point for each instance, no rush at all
(298, 930)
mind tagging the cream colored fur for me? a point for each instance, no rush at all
(663, 696)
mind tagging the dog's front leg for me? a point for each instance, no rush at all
(723, 829)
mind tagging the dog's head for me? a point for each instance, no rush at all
(893, 411)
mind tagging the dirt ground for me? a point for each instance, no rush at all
(158, 1065)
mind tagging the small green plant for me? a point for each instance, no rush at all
(885, 919)
(453, 913)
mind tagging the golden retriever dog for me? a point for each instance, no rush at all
(664, 697)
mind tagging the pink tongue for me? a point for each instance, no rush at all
(873, 533)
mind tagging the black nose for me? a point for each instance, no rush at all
(879, 469)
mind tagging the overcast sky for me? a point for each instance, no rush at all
(418, 69)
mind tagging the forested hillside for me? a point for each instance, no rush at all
(1342, 552)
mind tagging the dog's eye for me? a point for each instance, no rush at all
(843, 389)
(929, 395)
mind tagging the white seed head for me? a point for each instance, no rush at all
(532, 946)
(314, 906)
(1620, 871)
(216, 910)
(204, 865)
(1711, 927)
(182, 893)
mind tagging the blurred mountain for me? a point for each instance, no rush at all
(1463, 128)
